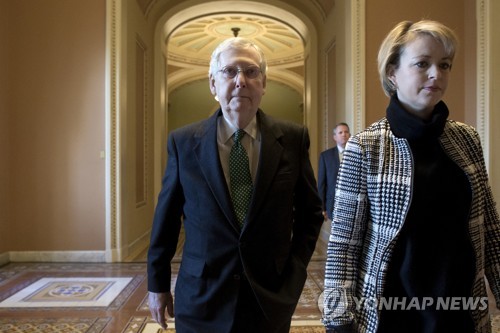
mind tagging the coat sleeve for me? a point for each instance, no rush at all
(488, 243)
(307, 222)
(308, 209)
(346, 239)
(492, 249)
(491, 230)
(166, 224)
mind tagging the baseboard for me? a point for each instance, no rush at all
(56, 256)
(4, 258)
(113, 255)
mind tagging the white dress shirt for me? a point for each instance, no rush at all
(251, 142)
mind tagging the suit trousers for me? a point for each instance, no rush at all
(249, 317)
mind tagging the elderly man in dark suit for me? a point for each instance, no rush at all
(329, 162)
(249, 203)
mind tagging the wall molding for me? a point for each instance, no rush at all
(483, 76)
(112, 124)
(358, 9)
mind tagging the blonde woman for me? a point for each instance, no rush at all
(415, 229)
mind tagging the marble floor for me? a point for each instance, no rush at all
(112, 298)
(106, 298)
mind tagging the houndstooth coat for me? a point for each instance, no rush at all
(374, 194)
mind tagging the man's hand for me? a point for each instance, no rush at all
(158, 302)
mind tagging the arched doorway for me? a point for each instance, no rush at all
(197, 19)
(189, 48)
(150, 25)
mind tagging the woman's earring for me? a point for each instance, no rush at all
(394, 86)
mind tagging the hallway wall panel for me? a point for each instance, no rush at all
(55, 117)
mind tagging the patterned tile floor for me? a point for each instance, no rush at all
(67, 298)
(105, 298)
(110, 298)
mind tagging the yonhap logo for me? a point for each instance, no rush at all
(335, 303)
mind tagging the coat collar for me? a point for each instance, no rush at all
(206, 152)
(408, 126)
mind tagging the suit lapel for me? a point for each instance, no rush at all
(335, 156)
(270, 156)
(207, 155)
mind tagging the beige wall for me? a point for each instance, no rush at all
(382, 15)
(52, 125)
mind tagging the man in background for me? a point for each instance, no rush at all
(329, 162)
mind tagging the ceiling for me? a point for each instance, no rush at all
(197, 34)
(195, 40)
(191, 44)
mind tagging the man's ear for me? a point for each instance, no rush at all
(264, 83)
(211, 82)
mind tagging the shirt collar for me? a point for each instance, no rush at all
(227, 129)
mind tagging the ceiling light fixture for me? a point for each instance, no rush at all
(235, 30)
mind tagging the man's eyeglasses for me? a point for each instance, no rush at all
(230, 72)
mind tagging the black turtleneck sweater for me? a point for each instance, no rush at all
(433, 254)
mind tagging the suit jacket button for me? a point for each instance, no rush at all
(236, 277)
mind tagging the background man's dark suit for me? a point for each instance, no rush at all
(329, 163)
(217, 256)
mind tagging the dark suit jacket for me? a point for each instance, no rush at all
(274, 247)
(328, 169)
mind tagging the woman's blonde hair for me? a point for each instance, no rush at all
(403, 33)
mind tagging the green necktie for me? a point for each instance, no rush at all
(240, 178)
